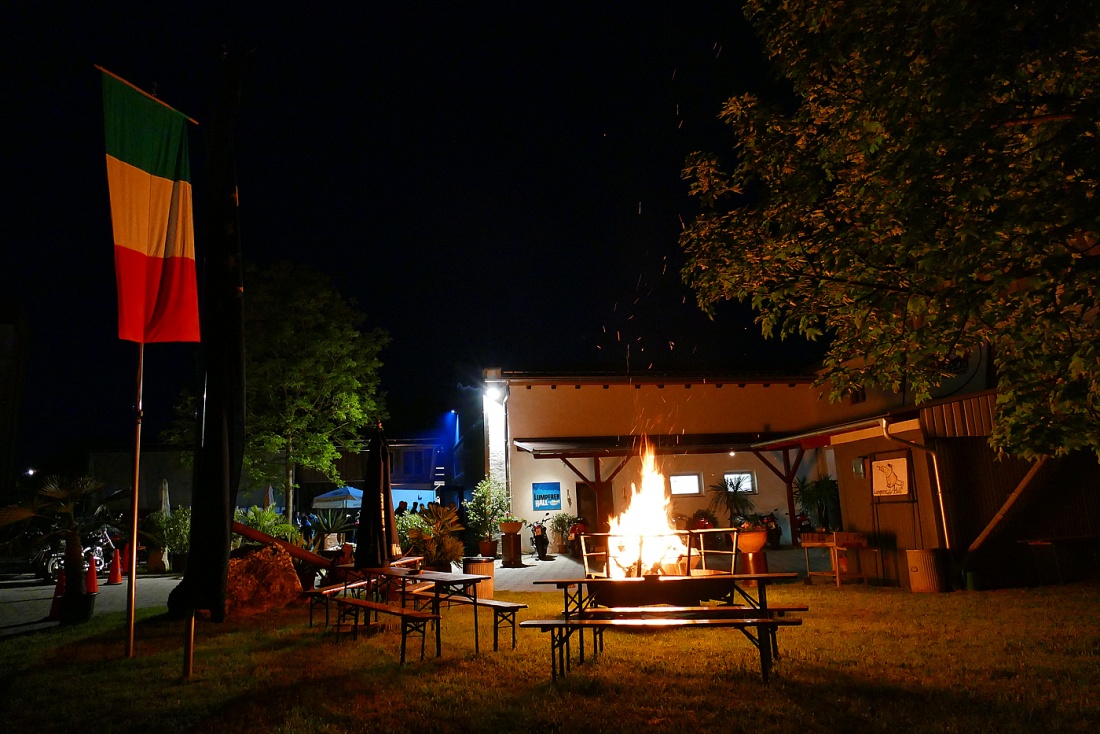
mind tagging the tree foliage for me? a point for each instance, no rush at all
(930, 189)
(312, 374)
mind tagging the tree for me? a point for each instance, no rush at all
(930, 187)
(312, 375)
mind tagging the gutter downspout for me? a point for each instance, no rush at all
(935, 470)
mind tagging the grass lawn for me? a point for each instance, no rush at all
(865, 660)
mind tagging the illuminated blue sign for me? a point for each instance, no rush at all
(547, 495)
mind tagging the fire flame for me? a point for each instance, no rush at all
(642, 535)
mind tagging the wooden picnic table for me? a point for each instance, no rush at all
(462, 586)
(581, 594)
(583, 610)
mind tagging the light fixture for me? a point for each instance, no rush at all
(857, 466)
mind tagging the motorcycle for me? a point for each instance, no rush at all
(540, 540)
(802, 524)
(49, 560)
(775, 533)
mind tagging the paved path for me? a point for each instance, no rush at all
(25, 601)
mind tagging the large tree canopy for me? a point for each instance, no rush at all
(311, 370)
(929, 187)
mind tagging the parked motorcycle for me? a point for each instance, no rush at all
(801, 524)
(775, 533)
(540, 539)
(49, 560)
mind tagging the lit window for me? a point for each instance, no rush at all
(685, 484)
(747, 479)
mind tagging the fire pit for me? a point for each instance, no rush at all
(644, 559)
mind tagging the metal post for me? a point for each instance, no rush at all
(131, 597)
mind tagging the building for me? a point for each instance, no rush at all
(914, 478)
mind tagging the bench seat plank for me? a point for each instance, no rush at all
(561, 629)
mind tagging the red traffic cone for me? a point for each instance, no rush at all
(126, 557)
(114, 576)
(91, 581)
(58, 592)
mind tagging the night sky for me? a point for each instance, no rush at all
(496, 184)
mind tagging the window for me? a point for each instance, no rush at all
(747, 478)
(680, 484)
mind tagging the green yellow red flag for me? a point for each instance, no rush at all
(148, 174)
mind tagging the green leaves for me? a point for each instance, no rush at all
(312, 372)
(928, 195)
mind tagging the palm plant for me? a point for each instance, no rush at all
(64, 502)
(816, 497)
(439, 543)
(731, 495)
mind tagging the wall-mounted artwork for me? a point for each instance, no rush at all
(890, 477)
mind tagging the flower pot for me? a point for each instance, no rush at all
(511, 527)
(155, 563)
(751, 541)
(77, 609)
(487, 548)
(177, 562)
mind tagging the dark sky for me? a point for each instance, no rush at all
(496, 184)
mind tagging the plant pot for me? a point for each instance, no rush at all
(511, 527)
(177, 562)
(155, 563)
(443, 566)
(752, 541)
(77, 609)
(487, 548)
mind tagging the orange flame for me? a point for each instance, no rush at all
(643, 541)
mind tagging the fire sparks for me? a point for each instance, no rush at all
(642, 540)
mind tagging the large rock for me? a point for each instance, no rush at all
(261, 580)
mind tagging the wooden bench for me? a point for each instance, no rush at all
(321, 595)
(504, 612)
(412, 621)
(561, 629)
(724, 611)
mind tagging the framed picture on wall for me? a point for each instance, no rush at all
(890, 476)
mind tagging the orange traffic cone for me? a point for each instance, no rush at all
(58, 592)
(91, 581)
(114, 576)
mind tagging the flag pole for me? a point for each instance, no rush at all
(131, 597)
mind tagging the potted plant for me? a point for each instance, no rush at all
(816, 497)
(752, 534)
(62, 502)
(156, 529)
(732, 496)
(178, 538)
(559, 528)
(439, 543)
(488, 503)
(509, 523)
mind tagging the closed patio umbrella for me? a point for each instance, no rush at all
(376, 541)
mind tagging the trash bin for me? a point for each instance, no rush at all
(483, 567)
(925, 570)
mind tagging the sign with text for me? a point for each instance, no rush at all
(890, 477)
(547, 496)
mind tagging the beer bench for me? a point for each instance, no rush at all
(412, 620)
(504, 612)
(561, 629)
(323, 594)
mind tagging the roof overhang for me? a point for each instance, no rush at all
(584, 447)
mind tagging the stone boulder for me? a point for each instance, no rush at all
(260, 579)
